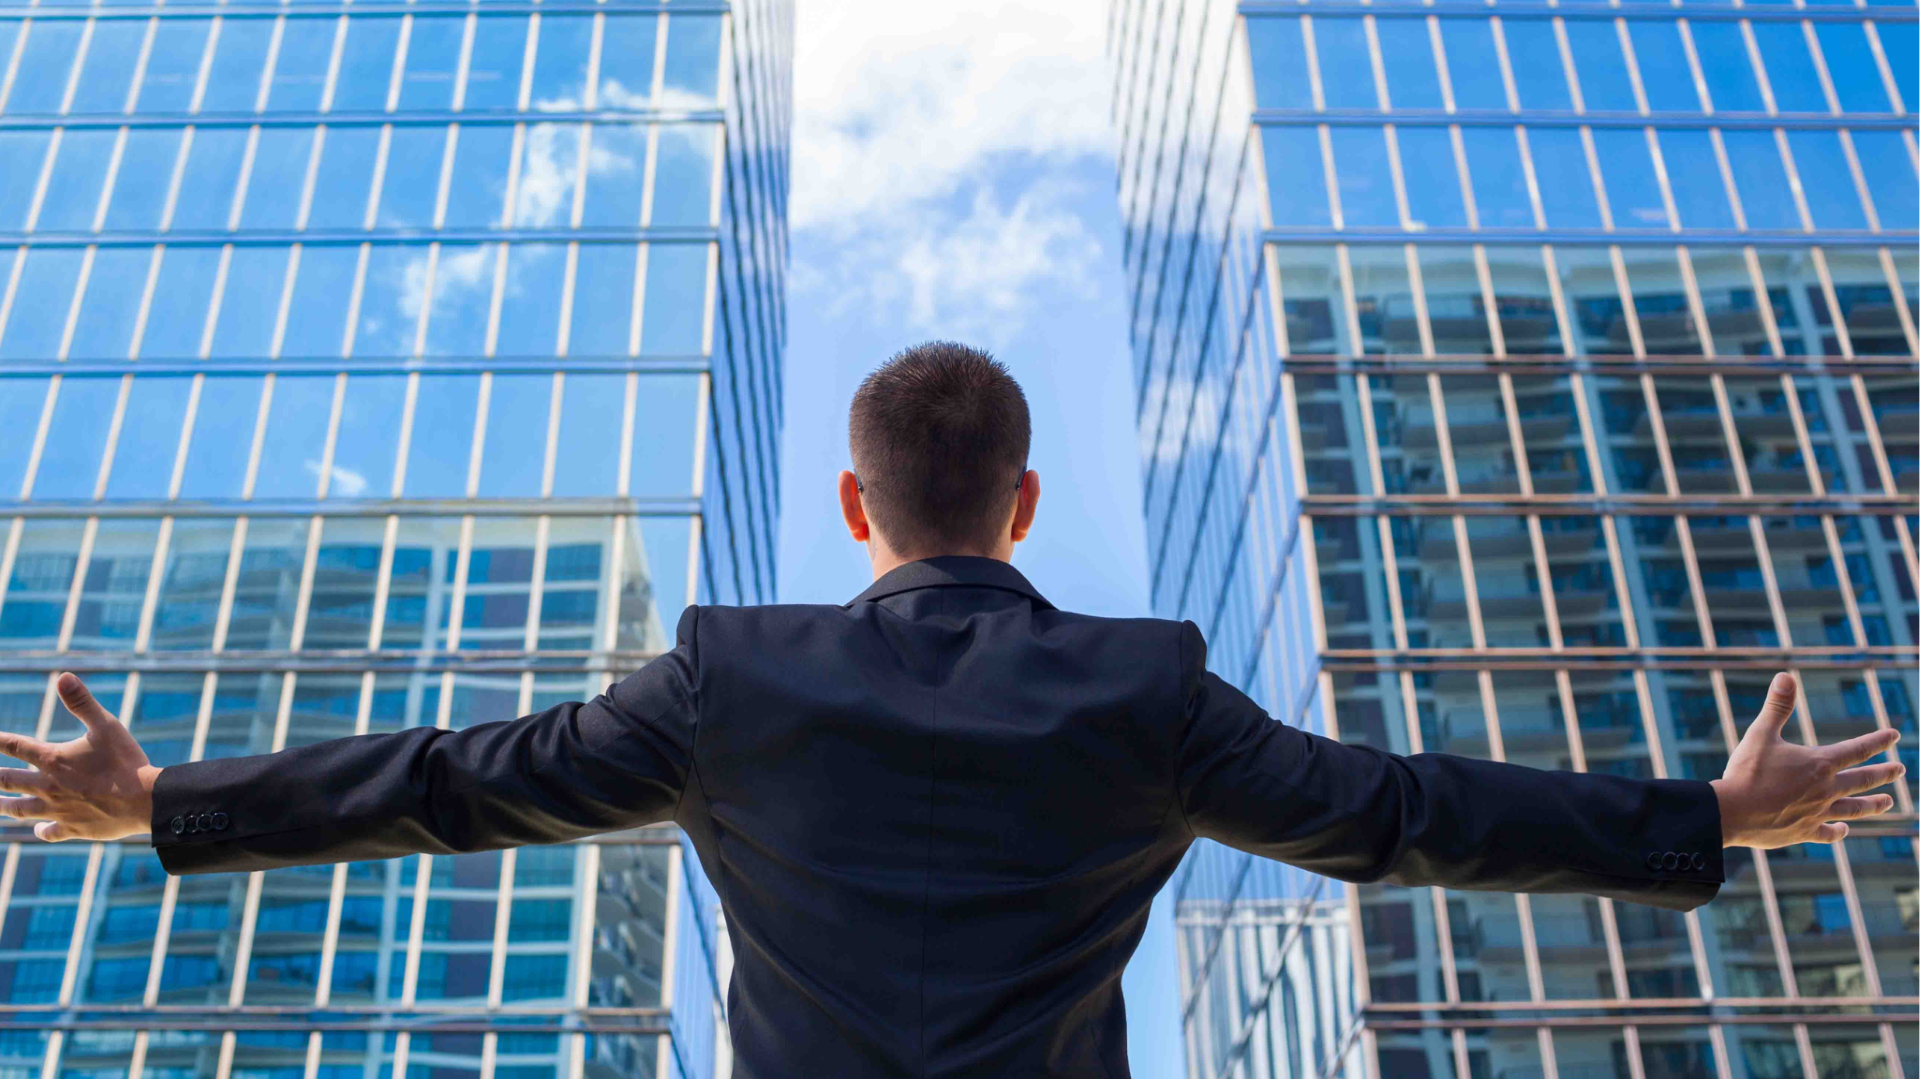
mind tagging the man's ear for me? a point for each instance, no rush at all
(1025, 504)
(851, 509)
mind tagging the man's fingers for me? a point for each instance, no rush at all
(1779, 707)
(21, 781)
(20, 747)
(1867, 777)
(1826, 833)
(79, 700)
(23, 808)
(53, 831)
(1855, 808)
(1864, 748)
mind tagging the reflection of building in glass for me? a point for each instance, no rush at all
(1531, 382)
(455, 342)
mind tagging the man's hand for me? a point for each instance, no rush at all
(1775, 793)
(98, 786)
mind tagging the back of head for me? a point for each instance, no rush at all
(939, 437)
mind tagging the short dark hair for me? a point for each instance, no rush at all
(939, 436)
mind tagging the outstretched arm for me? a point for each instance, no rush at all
(1360, 814)
(617, 761)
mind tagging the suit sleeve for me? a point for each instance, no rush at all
(617, 761)
(1359, 814)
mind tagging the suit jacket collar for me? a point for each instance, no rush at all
(952, 571)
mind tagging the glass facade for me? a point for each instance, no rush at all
(1530, 381)
(363, 367)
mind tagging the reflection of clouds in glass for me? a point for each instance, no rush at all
(606, 160)
(548, 175)
(615, 95)
(343, 482)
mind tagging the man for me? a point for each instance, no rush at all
(936, 815)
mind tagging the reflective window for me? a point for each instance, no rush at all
(433, 59)
(293, 448)
(233, 79)
(139, 196)
(1342, 47)
(43, 294)
(1537, 73)
(1832, 198)
(366, 64)
(76, 438)
(1731, 85)
(1693, 172)
(173, 65)
(1790, 68)
(1473, 64)
(149, 436)
(1433, 200)
(1856, 79)
(1365, 177)
(1279, 61)
(21, 154)
(1499, 178)
(477, 184)
(222, 438)
(210, 183)
(1665, 73)
(691, 77)
(107, 74)
(110, 307)
(1605, 85)
(603, 290)
(1406, 55)
(47, 51)
(78, 178)
(1766, 198)
(1294, 152)
(177, 319)
(300, 67)
(493, 70)
(560, 66)
(627, 49)
(1566, 181)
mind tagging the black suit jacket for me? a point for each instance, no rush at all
(936, 815)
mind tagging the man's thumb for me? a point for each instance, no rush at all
(1779, 707)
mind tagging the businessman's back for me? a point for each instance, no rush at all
(936, 816)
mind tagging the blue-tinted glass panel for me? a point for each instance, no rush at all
(412, 185)
(146, 172)
(1723, 62)
(1365, 178)
(239, 61)
(462, 296)
(344, 181)
(477, 188)
(442, 436)
(1473, 64)
(1605, 85)
(47, 50)
(1296, 178)
(530, 305)
(207, 188)
(1566, 183)
(278, 179)
(173, 65)
(300, 69)
(21, 156)
(602, 300)
(1761, 180)
(107, 74)
(316, 317)
(1499, 179)
(222, 438)
(70, 461)
(79, 174)
(616, 163)
(1346, 68)
(549, 171)
(296, 437)
(366, 64)
(1537, 73)
(1889, 172)
(626, 60)
(149, 438)
(1790, 69)
(183, 289)
(1856, 78)
(683, 175)
(111, 305)
(1279, 57)
(1633, 190)
(1406, 53)
(493, 71)
(433, 60)
(1693, 171)
(691, 77)
(674, 319)
(666, 411)
(1665, 74)
(1901, 42)
(515, 452)
(1826, 180)
(590, 417)
(250, 305)
(365, 448)
(21, 402)
(390, 297)
(1433, 185)
(41, 301)
(560, 65)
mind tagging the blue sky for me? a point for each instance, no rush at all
(953, 178)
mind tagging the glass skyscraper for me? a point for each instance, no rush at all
(1531, 381)
(366, 366)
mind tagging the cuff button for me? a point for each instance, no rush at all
(1653, 859)
(1670, 860)
(1699, 861)
(220, 822)
(179, 825)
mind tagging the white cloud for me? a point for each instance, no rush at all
(345, 482)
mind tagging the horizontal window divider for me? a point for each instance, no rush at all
(321, 365)
(1663, 237)
(267, 10)
(1554, 364)
(1652, 1005)
(661, 1024)
(354, 237)
(1578, 10)
(1701, 1016)
(1494, 118)
(652, 835)
(402, 118)
(1586, 505)
(373, 507)
(1360, 660)
(329, 661)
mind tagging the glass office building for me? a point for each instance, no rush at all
(366, 366)
(1531, 381)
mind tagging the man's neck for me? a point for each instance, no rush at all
(885, 561)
